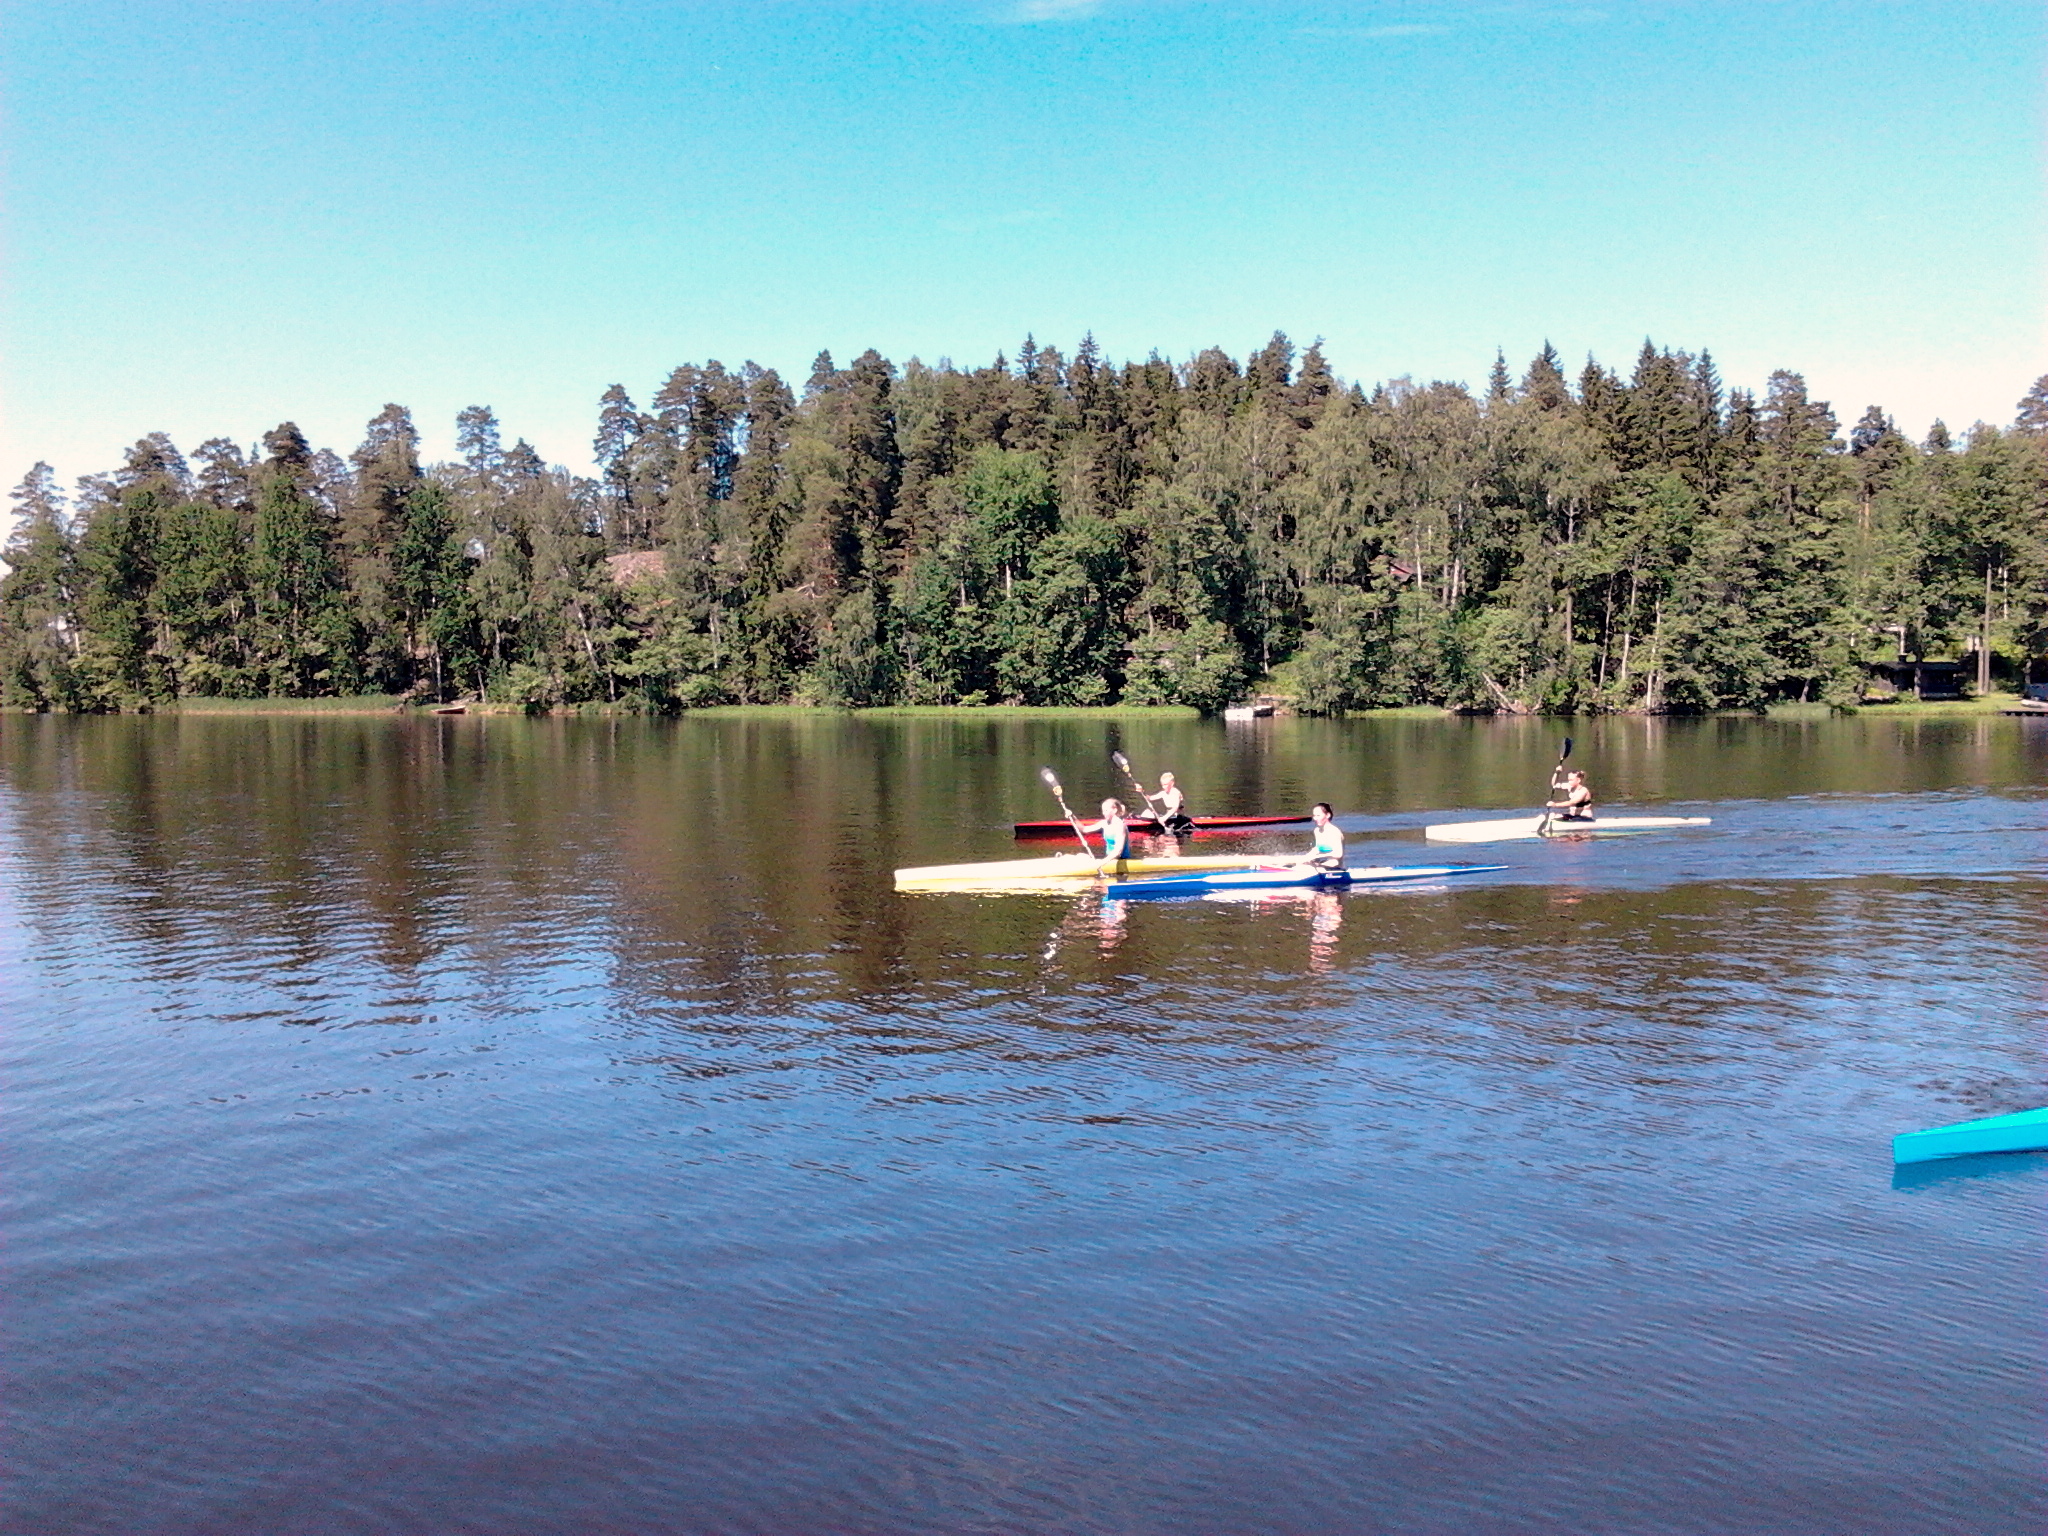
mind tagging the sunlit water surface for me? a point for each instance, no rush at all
(502, 1126)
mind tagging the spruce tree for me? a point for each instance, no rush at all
(387, 469)
(39, 621)
(1543, 382)
(430, 581)
(117, 564)
(304, 640)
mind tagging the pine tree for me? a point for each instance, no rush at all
(223, 477)
(619, 426)
(476, 439)
(285, 448)
(2032, 417)
(155, 463)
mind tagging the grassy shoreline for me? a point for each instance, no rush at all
(955, 711)
(1990, 705)
(354, 704)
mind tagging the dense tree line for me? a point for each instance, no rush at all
(1055, 530)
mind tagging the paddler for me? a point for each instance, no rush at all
(1577, 804)
(1328, 852)
(1173, 812)
(1116, 832)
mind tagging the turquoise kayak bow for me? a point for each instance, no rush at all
(2026, 1131)
(1288, 876)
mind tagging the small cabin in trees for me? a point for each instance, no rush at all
(1921, 679)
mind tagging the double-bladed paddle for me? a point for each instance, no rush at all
(1052, 783)
(1543, 826)
(1125, 763)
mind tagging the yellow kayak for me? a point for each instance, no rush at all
(999, 874)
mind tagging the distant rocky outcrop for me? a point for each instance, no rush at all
(642, 565)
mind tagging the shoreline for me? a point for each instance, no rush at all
(1993, 705)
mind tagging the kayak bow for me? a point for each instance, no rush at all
(1552, 826)
(1273, 879)
(2026, 1131)
(1059, 869)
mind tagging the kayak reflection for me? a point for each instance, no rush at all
(1090, 917)
(1323, 905)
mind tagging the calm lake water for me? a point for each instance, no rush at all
(512, 1126)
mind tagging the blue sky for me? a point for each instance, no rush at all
(219, 216)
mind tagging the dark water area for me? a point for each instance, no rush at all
(505, 1126)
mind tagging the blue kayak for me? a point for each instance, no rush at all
(2026, 1131)
(1292, 876)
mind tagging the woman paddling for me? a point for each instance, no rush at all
(1328, 853)
(1577, 804)
(1173, 811)
(1116, 832)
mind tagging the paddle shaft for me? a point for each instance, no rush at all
(1543, 826)
(1052, 783)
(1125, 763)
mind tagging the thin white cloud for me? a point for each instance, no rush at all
(1449, 17)
(1454, 20)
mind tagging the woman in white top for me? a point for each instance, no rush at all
(1173, 807)
(1577, 803)
(1328, 853)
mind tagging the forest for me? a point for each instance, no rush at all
(1059, 531)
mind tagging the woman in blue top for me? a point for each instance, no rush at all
(1328, 853)
(1116, 832)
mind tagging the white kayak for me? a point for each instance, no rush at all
(1555, 826)
(1060, 869)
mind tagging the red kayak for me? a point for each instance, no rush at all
(1147, 824)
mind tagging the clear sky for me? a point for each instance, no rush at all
(222, 215)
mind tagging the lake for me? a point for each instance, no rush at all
(506, 1126)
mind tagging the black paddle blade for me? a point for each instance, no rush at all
(1567, 752)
